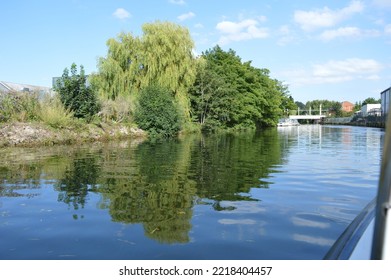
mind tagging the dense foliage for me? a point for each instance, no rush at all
(216, 90)
(18, 107)
(157, 112)
(76, 95)
(163, 55)
(371, 100)
(229, 93)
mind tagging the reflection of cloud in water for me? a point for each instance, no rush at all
(244, 207)
(310, 221)
(313, 240)
(339, 213)
(237, 222)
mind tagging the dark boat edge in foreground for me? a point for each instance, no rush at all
(369, 234)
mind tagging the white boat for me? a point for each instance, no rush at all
(369, 235)
(287, 122)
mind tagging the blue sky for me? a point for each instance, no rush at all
(336, 50)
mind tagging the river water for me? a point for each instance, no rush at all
(277, 194)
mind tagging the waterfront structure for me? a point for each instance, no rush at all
(370, 109)
(385, 101)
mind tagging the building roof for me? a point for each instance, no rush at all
(384, 91)
(9, 87)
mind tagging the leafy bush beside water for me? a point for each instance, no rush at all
(76, 95)
(157, 113)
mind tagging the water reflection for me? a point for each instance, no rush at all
(321, 241)
(295, 186)
(79, 179)
(155, 185)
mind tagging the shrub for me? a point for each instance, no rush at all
(15, 106)
(54, 114)
(76, 95)
(119, 110)
(157, 112)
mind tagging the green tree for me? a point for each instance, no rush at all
(75, 94)
(231, 94)
(287, 101)
(299, 106)
(209, 96)
(332, 107)
(168, 60)
(371, 100)
(162, 55)
(119, 73)
(157, 112)
(357, 106)
(337, 108)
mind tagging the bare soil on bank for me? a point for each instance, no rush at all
(38, 134)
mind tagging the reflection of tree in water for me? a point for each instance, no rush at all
(157, 185)
(158, 194)
(17, 178)
(164, 210)
(79, 179)
(226, 167)
(22, 170)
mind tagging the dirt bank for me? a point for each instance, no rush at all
(34, 134)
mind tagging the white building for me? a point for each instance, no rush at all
(370, 109)
(385, 101)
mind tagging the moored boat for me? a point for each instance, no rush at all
(287, 122)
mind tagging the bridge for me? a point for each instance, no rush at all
(308, 114)
(307, 117)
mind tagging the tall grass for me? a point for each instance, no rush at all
(16, 106)
(119, 110)
(53, 113)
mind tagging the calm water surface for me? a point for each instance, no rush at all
(278, 194)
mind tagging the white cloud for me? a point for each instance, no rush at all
(335, 71)
(186, 16)
(321, 18)
(387, 29)
(354, 32)
(121, 13)
(347, 67)
(240, 31)
(177, 2)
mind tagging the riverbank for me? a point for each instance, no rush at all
(27, 134)
(369, 121)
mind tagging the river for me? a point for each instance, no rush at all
(282, 193)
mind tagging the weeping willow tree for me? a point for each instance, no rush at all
(119, 72)
(169, 61)
(163, 56)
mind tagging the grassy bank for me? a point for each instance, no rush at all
(26, 120)
(28, 134)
